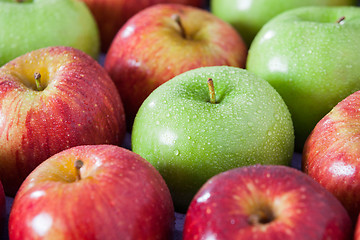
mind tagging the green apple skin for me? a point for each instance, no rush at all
(311, 60)
(188, 139)
(249, 16)
(31, 25)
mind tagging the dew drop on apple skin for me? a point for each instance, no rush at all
(177, 152)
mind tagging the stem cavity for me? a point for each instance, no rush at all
(78, 164)
(211, 91)
(37, 77)
(261, 216)
(177, 19)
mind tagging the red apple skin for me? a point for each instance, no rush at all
(332, 151)
(79, 105)
(300, 207)
(120, 196)
(2, 208)
(357, 229)
(149, 50)
(110, 15)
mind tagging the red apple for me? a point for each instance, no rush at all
(110, 15)
(332, 152)
(114, 194)
(265, 202)
(76, 103)
(357, 229)
(163, 41)
(2, 208)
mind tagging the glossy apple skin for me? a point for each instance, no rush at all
(42, 23)
(79, 105)
(302, 209)
(149, 50)
(111, 15)
(2, 209)
(188, 139)
(249, 16)
(311, 60)
(120, 196)
(357, 230)
(331, 153)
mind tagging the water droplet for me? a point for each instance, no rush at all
(177, 152)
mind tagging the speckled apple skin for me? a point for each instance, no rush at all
(120, 196)
(188, 139)
(302, 208)
(30, 25)
(332, 151)
(252, 15)
(311, 60)
(111, 15)
(79, 105)
(357, 230)
(150, 50)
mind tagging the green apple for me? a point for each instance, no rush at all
(189, 138)
(30, 25)
(248, 16)
(310, 56)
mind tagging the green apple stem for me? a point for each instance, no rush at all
(340, 20)
(211, 91)
(177, 19)
(78, 164)
(37, 77)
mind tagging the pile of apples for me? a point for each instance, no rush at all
(180, 119)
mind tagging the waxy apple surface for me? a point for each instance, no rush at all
(249, 16)
(265, 202)
(151, 48)
(310, 56)
(189, 139)
(30, 25)
(119, 195)
(332, 151)
(77, 104)
(110, 15)
(2, 209)
(357, 230)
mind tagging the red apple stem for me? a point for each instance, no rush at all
(78, 164)
(211, 91)
(37, 77)
(177, 19)
(340, 20)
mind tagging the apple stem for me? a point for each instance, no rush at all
(211, 91)
(37, 77)
(78, 164)
(177, 19)
(340, 20)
